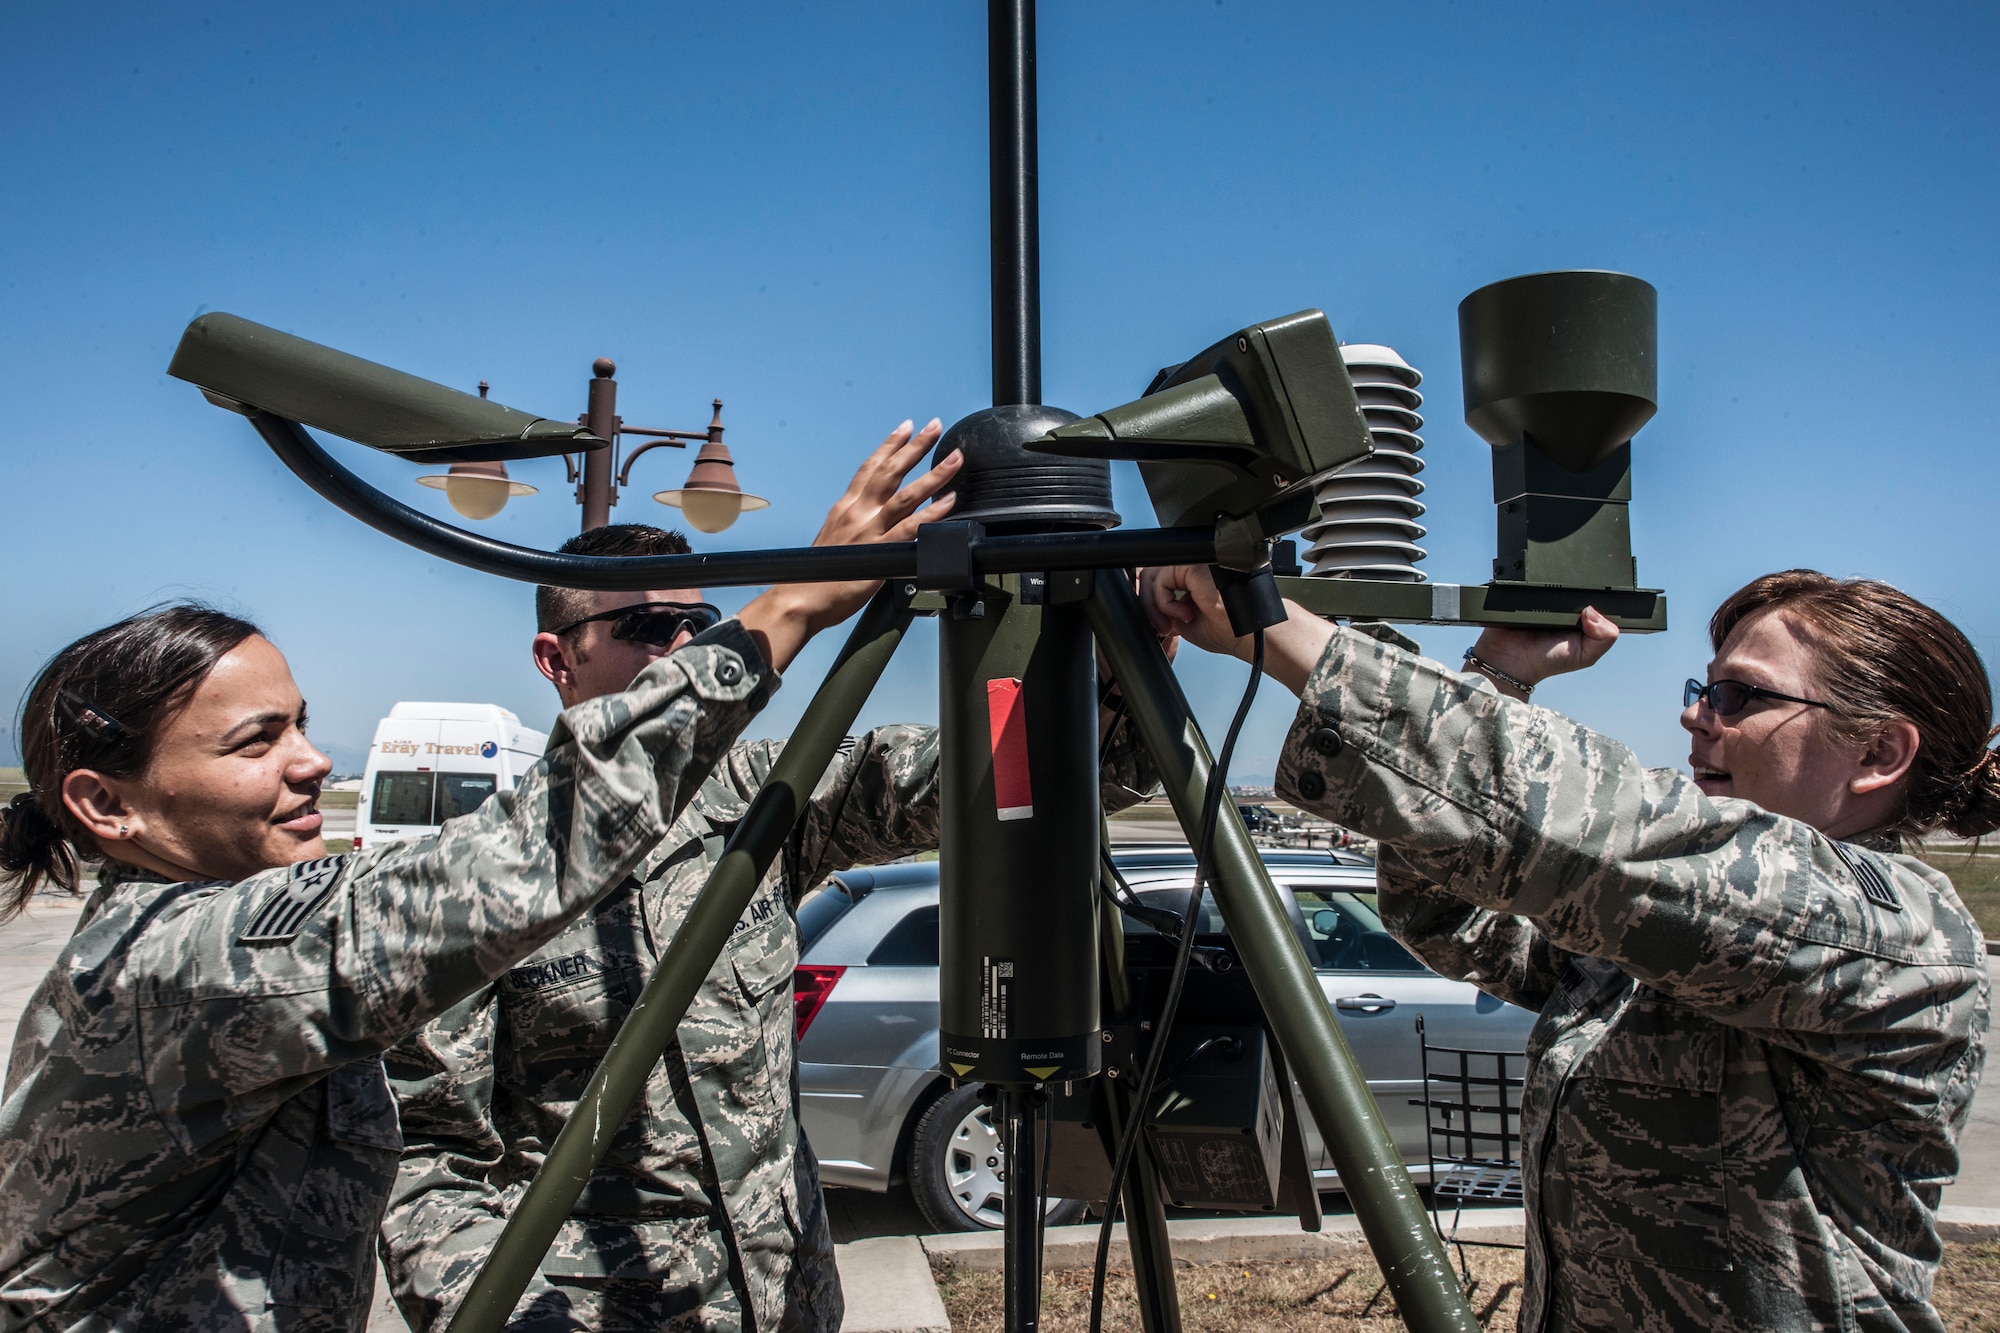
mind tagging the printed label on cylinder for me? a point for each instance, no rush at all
(996, 990)
(1007, 715)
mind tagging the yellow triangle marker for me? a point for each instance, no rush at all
(961, 1070)
(1042, 1072)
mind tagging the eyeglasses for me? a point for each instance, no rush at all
(1729, 697)
(654, 623)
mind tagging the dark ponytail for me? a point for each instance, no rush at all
(1970, 808)
(98, 705)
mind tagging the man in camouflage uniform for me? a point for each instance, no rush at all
(706, 1212)
(197, 1132)
(1757, 1046)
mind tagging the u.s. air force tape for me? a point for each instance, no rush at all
(291, 904)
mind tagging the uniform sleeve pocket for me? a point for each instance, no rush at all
(326, 1258)
(360, 1109)
(1641, 1137)
(1660, 1045)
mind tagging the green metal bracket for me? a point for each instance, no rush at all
(1519, 605)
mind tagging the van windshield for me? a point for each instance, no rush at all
(428, 798)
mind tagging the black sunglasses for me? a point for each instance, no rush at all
(1729, 697)
(654, 623)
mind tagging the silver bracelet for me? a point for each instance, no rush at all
(1480, 664)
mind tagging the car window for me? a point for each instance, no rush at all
(1347, 933)
(1175, 901)
(818, 911)
(911, 942)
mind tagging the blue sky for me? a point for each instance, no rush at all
(785, 207)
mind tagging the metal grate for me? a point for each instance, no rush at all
(1472, 1132)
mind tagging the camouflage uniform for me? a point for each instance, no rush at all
(1756, 1048)
(708, 1201)
(197, 1131)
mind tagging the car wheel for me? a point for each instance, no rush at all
(957, 1168)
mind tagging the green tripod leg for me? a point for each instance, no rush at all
(1392, 1215)
(622, 1075)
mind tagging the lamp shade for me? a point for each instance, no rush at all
(712, 499)
(477, 490)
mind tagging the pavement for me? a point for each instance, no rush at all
(886, 1264)
(337, 821)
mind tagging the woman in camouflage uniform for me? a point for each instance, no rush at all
(197, 1131)
(1762, 1021)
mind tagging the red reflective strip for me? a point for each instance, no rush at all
(1007, 714)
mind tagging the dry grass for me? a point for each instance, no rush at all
(1283, 1296)
(1968, 1290)
(1342, 1295)
(1976, 875)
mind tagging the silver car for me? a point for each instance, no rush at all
(879, 1113)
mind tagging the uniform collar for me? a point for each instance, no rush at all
(714, 812)
(721, 808)
(1877, 840)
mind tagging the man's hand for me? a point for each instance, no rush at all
(1533, 655)
(876, 507)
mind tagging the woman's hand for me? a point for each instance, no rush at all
(1531, 656)
(876, 507)
(1182, 602)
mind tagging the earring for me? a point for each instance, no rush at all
(124, 830)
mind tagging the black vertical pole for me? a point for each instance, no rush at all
(1015, 198)
(1021, 1277)
(1017, 378)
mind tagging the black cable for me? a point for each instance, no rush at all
(1120, 895)
(1232, 1047)
(1211, 807)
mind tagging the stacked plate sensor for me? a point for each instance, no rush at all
(1368, 510)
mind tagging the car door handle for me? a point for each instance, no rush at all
(1364, 1004)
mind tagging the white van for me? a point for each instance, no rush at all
(432, 762)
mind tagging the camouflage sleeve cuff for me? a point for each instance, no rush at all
(723, 664)
(1340, 723)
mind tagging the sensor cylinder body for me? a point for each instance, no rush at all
(1017, 920)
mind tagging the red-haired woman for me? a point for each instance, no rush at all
(1762, 1021)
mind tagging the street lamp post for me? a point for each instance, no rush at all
(711, 498)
